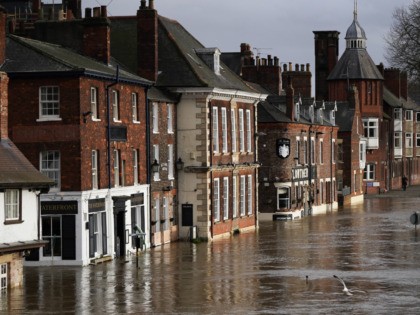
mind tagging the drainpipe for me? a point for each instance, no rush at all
(148, 171)
(211, 168)
(331, 168)
(108, 136)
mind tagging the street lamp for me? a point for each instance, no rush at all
(179, 164)
(155, 166)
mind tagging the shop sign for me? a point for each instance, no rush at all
(301, 173)
(96, 205)
(59, 207)
(283, 148)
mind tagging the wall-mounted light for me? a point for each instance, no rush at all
(155, 166)
(85, 115)
(179, 164)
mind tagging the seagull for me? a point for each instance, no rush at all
(345, 289)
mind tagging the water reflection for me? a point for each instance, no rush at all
(373, 248)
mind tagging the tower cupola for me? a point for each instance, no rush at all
(355, 36)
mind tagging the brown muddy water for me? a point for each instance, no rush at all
(285, 268)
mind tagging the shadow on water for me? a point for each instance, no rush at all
(287, 267)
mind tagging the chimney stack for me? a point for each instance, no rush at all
(147, 42)
(97, 35)
(290, 100)
(4, 105)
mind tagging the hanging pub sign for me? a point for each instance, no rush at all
(283, 148)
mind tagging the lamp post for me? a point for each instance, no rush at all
(155, 167)
(179, 164)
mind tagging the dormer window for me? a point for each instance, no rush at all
(211, 57)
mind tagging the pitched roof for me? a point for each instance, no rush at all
(179, 63)
(355, 64)
(17, 171)
(392, 100)
(30, 56)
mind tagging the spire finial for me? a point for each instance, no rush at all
(355, 10)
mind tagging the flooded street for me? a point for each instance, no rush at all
(373, 247)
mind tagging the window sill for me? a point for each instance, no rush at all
(136, 122)
(96, 119)
(18, 221)
(45, 119)
(116, 121)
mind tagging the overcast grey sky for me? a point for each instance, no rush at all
(282, 27)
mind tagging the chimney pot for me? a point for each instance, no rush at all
(308, 67)
(151, 5)
(276, 61)
(143, 4)
(88, 13)
(296, 67)
(96, 12)
(290, 66)
(302, 67)
(104, 12)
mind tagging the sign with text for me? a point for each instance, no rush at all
(300, 173)
(59, 207)
(96, 205)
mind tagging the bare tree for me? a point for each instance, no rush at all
(403, 40)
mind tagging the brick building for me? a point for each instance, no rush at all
(20, 187)
(215, 124)
(388, 115)
(85, 127)
(298, 156)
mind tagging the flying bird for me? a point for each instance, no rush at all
(345, 289)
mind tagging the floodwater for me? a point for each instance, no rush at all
(373, 247)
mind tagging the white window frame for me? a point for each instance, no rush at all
(397, 113)
(94, 103)
(170, 161)
(305, 151)
(418, 140)
(248, 131)
(234, 197)
(249, 195)
(233, 128)
(157, 215)
(321, 151)
(216, 200)
(155, 117)
(166, 213)
(3, 276)
(224, 131)
(371, 132)
(156, 176)
(242, 201)
(135, 166)
(409, 115)
(215, 127)
(11, 204)
(241, 131)
(369, 172)
(135, 107)
(170, 108)
(225, 198)
(297, 150)
(408, 140)
(115, 99)
(51, 167)
(116, 168)
(95, 181)
(49, 103)
(398, 140)
(333, 151)
(312, 151)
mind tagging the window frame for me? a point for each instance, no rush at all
(51, 170)
(216, 200)
(170, 109)
(46, 104)
(94, 103)
(135, 107)
(12, 205)
(249, 195)
(233, 130)
(116, 168)
(242, 197)
(225, 198)
(241, 131)
(95, 169)
(155, 117)
(136, 166)
(369, 172)
(115, 103)
(234, 197)
(248, 131)
(224, 130)
(408, 140)
(215, 129)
